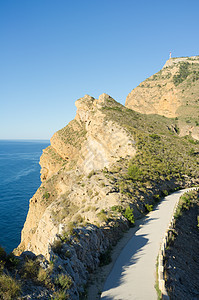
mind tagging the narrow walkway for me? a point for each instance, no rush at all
(134, 272)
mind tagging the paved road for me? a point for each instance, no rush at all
(133, 274)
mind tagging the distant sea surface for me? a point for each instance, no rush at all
(19, 180)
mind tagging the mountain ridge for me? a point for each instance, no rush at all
(171, 92)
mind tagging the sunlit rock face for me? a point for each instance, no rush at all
(172, 92)
(88, 143)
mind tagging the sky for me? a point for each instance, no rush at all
(54, 52)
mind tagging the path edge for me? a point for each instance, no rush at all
(161, 254)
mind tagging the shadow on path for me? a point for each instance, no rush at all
(130, 255)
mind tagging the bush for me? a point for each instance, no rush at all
(56, 246)
(70, 228)
(165, 192)
(156, 198)
(12, 261)
(154, 136)
(63, 281)
(42, 276)
(134, 172)
(182, 74)
(46, 195)
(30, 269)
(191, 152)
(149, 207)
(91, 174)
(117, 208)
(129, 215)
(9, 288)
(184, 203)
(60, 295)
(102, 216)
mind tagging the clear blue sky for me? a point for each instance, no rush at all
(54, 52)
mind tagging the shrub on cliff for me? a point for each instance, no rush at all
(129, 215)
(134, 172)
(9, 287)
(60, 295)
(30, 269)
(182, 74)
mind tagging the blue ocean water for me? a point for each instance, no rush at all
(19, 180)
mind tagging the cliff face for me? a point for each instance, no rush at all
(90, 142)
(172, 92)
(107, 167)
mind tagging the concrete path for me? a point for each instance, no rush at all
(133, 275)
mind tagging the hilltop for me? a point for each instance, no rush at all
(172, 92)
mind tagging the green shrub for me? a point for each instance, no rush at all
(63, 281)
(191, 152)
(156, 197)
(178, 212)
(117, 208)
(42, 276)
(91, 174)
(56, 246)
(30, 269)
(165, 192)
(46, 195)
(70, 228)
(60, 295)
(149, 207)
(134, 172)
(2, 263)
(129, 215)
(102, 216)
(182, 74)
(12, 261)
(9, 287)
(184, 203)
(154, 136)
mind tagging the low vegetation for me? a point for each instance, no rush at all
(73, 134)
(182, 257)
(129, 215)
(183, 73)
(185, 202)
(9, 287)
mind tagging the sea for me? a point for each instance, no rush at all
(19, 180)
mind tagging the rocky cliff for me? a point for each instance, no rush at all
(172, 92)
(89, 143)
(107, 167)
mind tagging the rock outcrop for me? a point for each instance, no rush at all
(88, 143)
(172, 92)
